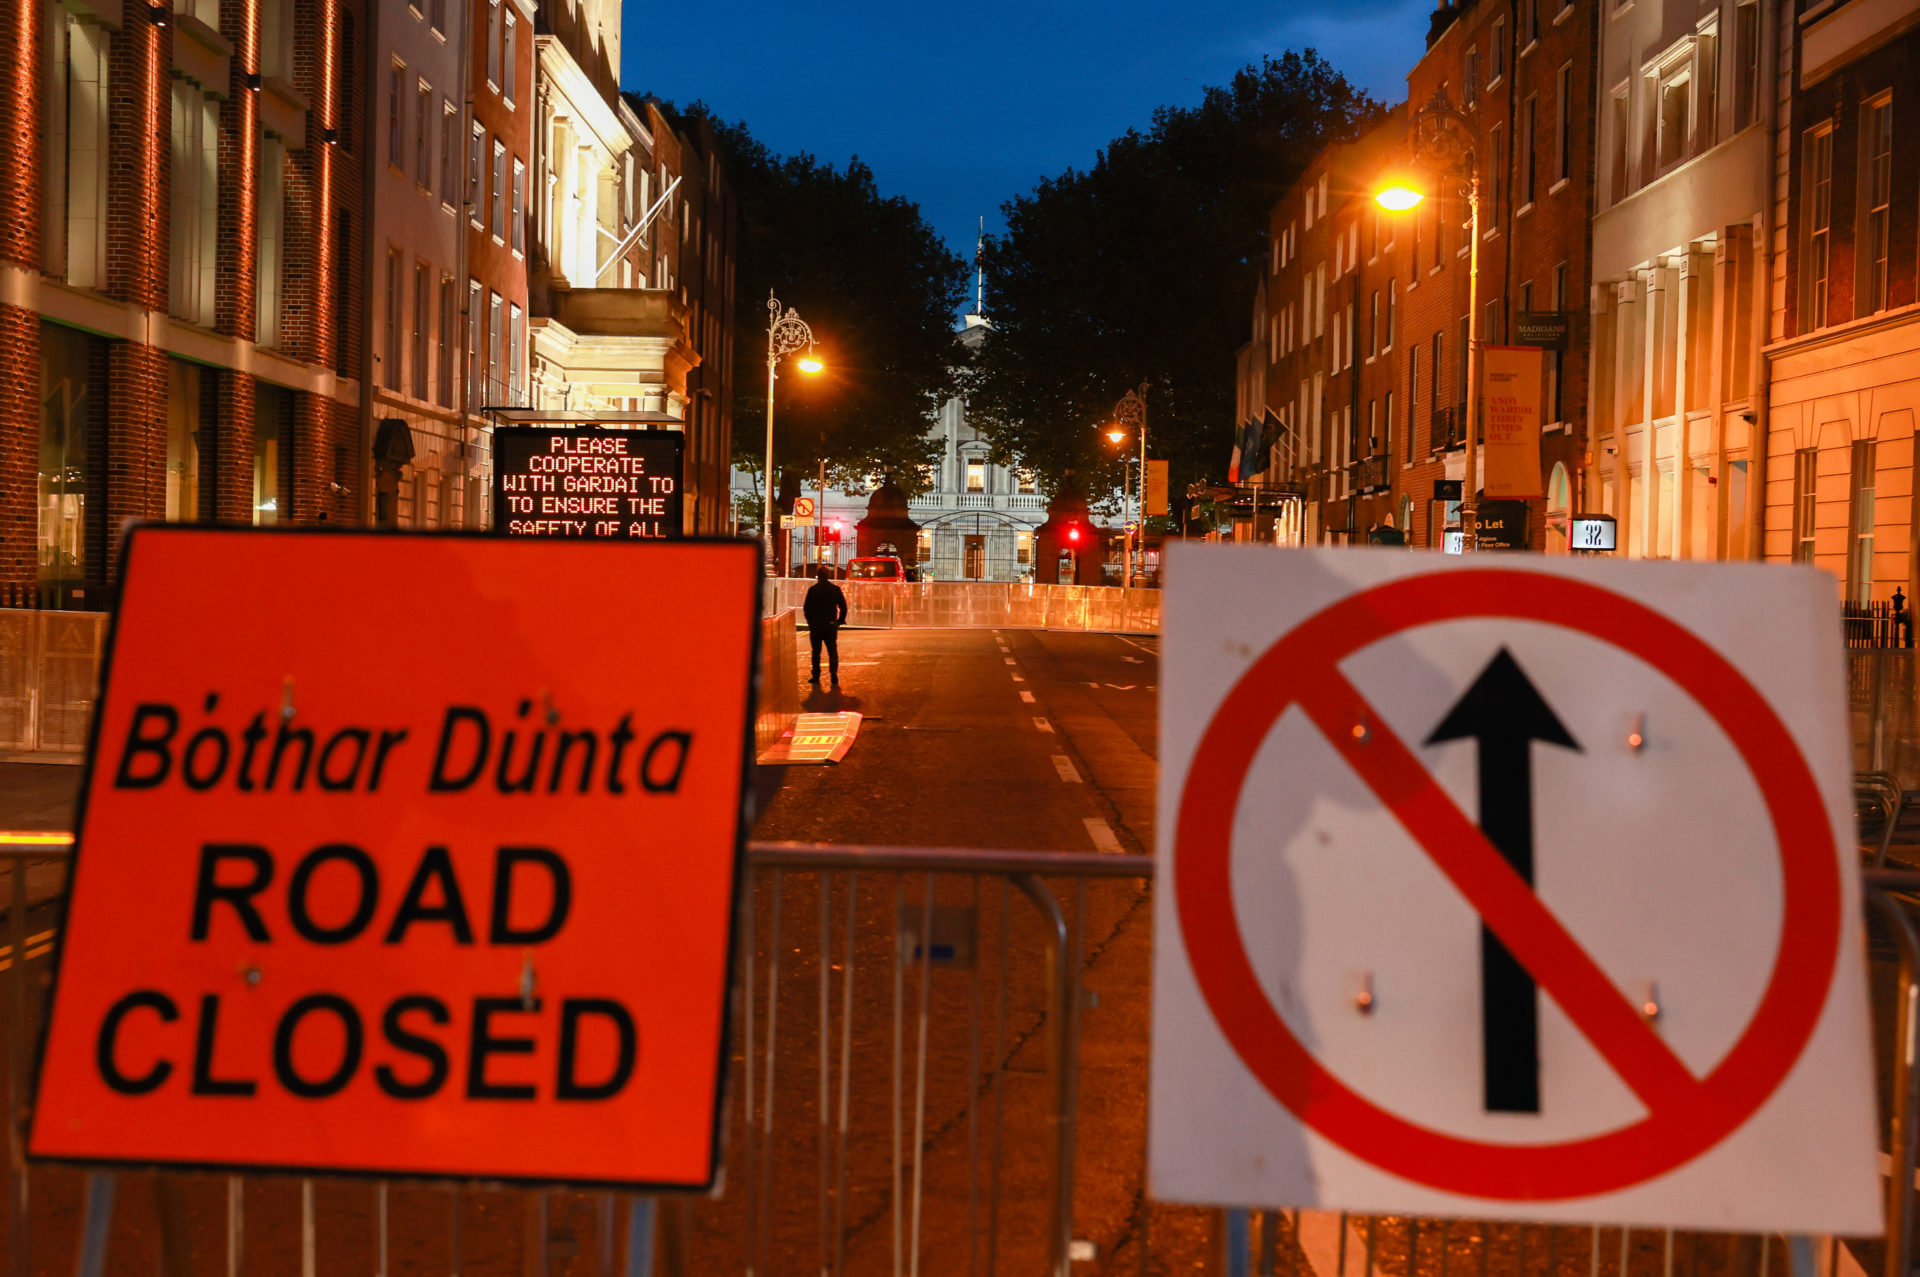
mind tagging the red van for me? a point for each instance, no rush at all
(883, 568)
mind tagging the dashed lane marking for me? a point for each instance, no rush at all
(1102, 834)
(1068, 772)
(1043, 724)
(1019, 678)
(1009, 660)
(1027, 697)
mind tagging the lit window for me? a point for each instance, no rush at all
(1876, 145)
(976, 476)
(1816, 159)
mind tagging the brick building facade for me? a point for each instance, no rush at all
(181, 187)
(1843, 352)
(1362, 313)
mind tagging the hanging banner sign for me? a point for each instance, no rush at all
(432, 877)
(1511, 392)
(587, 482)
(1157, 487)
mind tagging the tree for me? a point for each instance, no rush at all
(878, 288)
(1141, 269)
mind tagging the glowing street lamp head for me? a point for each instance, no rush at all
(1117, 435)
(1399, 194)
(808, 364)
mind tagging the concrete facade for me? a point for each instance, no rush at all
(1677, 304)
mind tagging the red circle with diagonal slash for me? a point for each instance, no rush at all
(1686, 1115)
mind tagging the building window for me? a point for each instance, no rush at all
(1806, 464)
(422, 324)
(423, 135)
(1373, 324)
(67, 413)
(1024, 480)
(1470, 79)
(397, 117)
(1528, 114)
(1023, 548)
(1746, 64)
(346, 78)
(1529, 23)
(516, 340)
(1497, 52)
(1860, 524)
(976, 476)
(196, 204)
(499, 219)
(496, 348)
(1816, 178)
(1706, 81)
(1617, 154)
(449, 343)
(493, 43)
(476, 347)
(76, 178)
(272, 459)
(390, 357)
(509, 47)
(1876, 167)
(476, 172)
(1563, 126)
(519, 232)
(439, 16)
(449, 155)
(1386, 343)
(183, 440)
(1413, 397)
(269, 225)
(1496, 174)
(276, 39)
(1675, 102)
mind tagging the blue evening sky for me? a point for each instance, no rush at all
(961, 106)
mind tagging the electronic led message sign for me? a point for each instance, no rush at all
(587, 482)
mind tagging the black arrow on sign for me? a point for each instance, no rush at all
(1504, 712)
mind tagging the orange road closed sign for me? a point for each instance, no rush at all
(408, 855)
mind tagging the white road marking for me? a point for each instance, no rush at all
(1094, 686)
(1068, 772)
(1102, 834)
(1043, 724)
(1027, 697)
(1142, 646)
(1009, 660)
(1019, 679)
(1118, 688)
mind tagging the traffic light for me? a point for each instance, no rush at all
(1073, 534)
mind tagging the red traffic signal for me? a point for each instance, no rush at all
(1073, 533)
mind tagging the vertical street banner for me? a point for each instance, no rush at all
(432, 876)
(1156, 487)
(1518, 888)
(1510, 436)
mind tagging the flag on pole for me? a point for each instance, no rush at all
(1233, 466)
(1253, 452)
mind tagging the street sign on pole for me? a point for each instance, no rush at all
(803, 508)
(1521, 892)
(338, 905)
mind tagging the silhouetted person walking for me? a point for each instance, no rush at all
(826, 611)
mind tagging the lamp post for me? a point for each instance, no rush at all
(785, 334)
(1441, 138)
(1131, 413)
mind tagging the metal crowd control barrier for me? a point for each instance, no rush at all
(778, 702)
(983, 605)
(49, 669)
(957, 1153)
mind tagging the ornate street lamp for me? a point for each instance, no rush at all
(1441, 140)
(785, 334)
